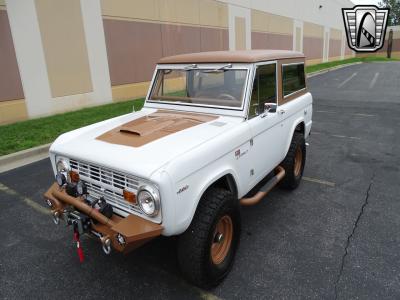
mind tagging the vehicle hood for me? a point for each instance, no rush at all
(140, 143)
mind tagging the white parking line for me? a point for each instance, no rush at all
(326, 112)
(347, 80)
(27, 200)
(337, 135)
(346, 137)
(373, 81)
(364, 115)
(336, 112)
(320, 181)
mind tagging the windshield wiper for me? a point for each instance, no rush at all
(191, 67)
(220, 69)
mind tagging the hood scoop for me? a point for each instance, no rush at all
(144, 130)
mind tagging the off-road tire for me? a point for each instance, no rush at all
(194, 245)
(294, 172)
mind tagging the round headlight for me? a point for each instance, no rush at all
(149, 200)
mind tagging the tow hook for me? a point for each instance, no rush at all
(106, 245)
(56, 217)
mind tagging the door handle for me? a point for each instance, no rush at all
(281, 111)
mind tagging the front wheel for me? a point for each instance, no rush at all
(294, 162)
(206, 250)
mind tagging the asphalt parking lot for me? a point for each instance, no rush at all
(336, 237)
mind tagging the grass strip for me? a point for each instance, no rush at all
(27, 134)
(331, 64)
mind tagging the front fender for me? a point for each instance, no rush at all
(192, 188)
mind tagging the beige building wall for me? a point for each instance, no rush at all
(298, 39)
(335, 44)
(163, 28)
(62, 33)
(61, 55)
(12, 102)
(240, 31)
(79, 53)
(313, 42)
(271, 31)
(13, 111)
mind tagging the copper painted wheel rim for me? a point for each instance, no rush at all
(298, 160)
(222, 239)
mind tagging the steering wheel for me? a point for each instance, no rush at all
(226, 96)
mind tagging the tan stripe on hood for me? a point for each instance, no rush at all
(152, 127)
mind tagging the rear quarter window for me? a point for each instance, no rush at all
(293, 78)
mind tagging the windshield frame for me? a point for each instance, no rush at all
(201, 66)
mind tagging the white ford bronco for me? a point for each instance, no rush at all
(218, 130)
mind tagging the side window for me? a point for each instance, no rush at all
(264, 89)
(293, 78)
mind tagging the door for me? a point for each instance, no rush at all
(266, 128)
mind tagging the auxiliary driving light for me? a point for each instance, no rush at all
(62, 166)
(63, 169)
(61, 179)
(81, 188)
(74, 176)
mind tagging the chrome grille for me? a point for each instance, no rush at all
(104, 182)
(111, 197)
(104, 175)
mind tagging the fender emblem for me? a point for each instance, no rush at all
(182, 189)
(237, 154)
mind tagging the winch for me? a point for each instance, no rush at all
(80, 222)
(95, 216)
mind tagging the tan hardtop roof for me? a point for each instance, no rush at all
(239, 56)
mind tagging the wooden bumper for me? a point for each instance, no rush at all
(135, 230)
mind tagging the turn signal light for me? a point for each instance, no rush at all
(74, 176)
(129, 196)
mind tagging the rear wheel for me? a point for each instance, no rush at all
(206, 250)
(294, 162)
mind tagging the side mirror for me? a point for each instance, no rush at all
(270, 107)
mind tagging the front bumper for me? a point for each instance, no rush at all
(135, 230)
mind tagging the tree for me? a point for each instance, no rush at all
(394, 16)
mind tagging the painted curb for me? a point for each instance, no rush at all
(24, 157)
(309, 75)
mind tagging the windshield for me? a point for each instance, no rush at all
(200, 87)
